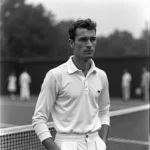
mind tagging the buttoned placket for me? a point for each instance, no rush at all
(84, 80)
(86, 84)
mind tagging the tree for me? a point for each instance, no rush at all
(28, 30)
(142, 44)
(120, 43)
(62, 48)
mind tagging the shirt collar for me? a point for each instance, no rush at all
(72, 68)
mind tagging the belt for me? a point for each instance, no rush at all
(77, 133)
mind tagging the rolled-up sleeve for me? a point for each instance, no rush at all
(45, 102)
(104, 103)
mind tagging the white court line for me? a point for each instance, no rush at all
(129, 110)
(128, 141)
(22, 104)
(112, 113)
(6, 125)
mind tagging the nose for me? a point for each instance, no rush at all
(89, 44)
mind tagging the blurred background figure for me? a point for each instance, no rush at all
(126, 84)
(12, 79)
(24, 81)
(138, 91)
(145, 81)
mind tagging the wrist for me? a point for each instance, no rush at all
(105, 140)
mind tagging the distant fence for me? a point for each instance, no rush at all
(37, 68)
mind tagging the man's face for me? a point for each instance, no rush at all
(84, 44)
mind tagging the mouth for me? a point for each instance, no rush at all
(88, 51)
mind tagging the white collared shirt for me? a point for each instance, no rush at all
(126, 79)
(76, 103)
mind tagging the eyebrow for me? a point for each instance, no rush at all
(87, 37)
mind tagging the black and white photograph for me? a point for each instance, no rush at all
(74, 75)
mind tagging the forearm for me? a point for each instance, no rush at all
(50, 144)
(103, 133)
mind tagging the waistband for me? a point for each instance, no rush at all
(76, 136)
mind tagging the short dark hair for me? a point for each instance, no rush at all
(80, 23)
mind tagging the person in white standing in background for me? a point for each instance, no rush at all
(12, 87)
(126, 84)
(24, 81)
(145, 81)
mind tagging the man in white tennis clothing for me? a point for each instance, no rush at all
(77, 96)
(25, 81)
(126, 84)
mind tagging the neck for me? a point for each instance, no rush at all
(82, 64)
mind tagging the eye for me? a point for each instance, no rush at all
(93, 39)
(83, 39)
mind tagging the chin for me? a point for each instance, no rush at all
(88, 57)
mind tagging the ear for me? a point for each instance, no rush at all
(71, 43)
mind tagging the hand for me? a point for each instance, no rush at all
(50, 144)
(104, 139)
(103, 133)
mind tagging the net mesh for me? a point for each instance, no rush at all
(22, 138)
(128, 131)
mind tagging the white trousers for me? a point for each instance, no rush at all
(146, 92)
(90, 141)
(126, 92)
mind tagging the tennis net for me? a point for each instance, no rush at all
(129, 130)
